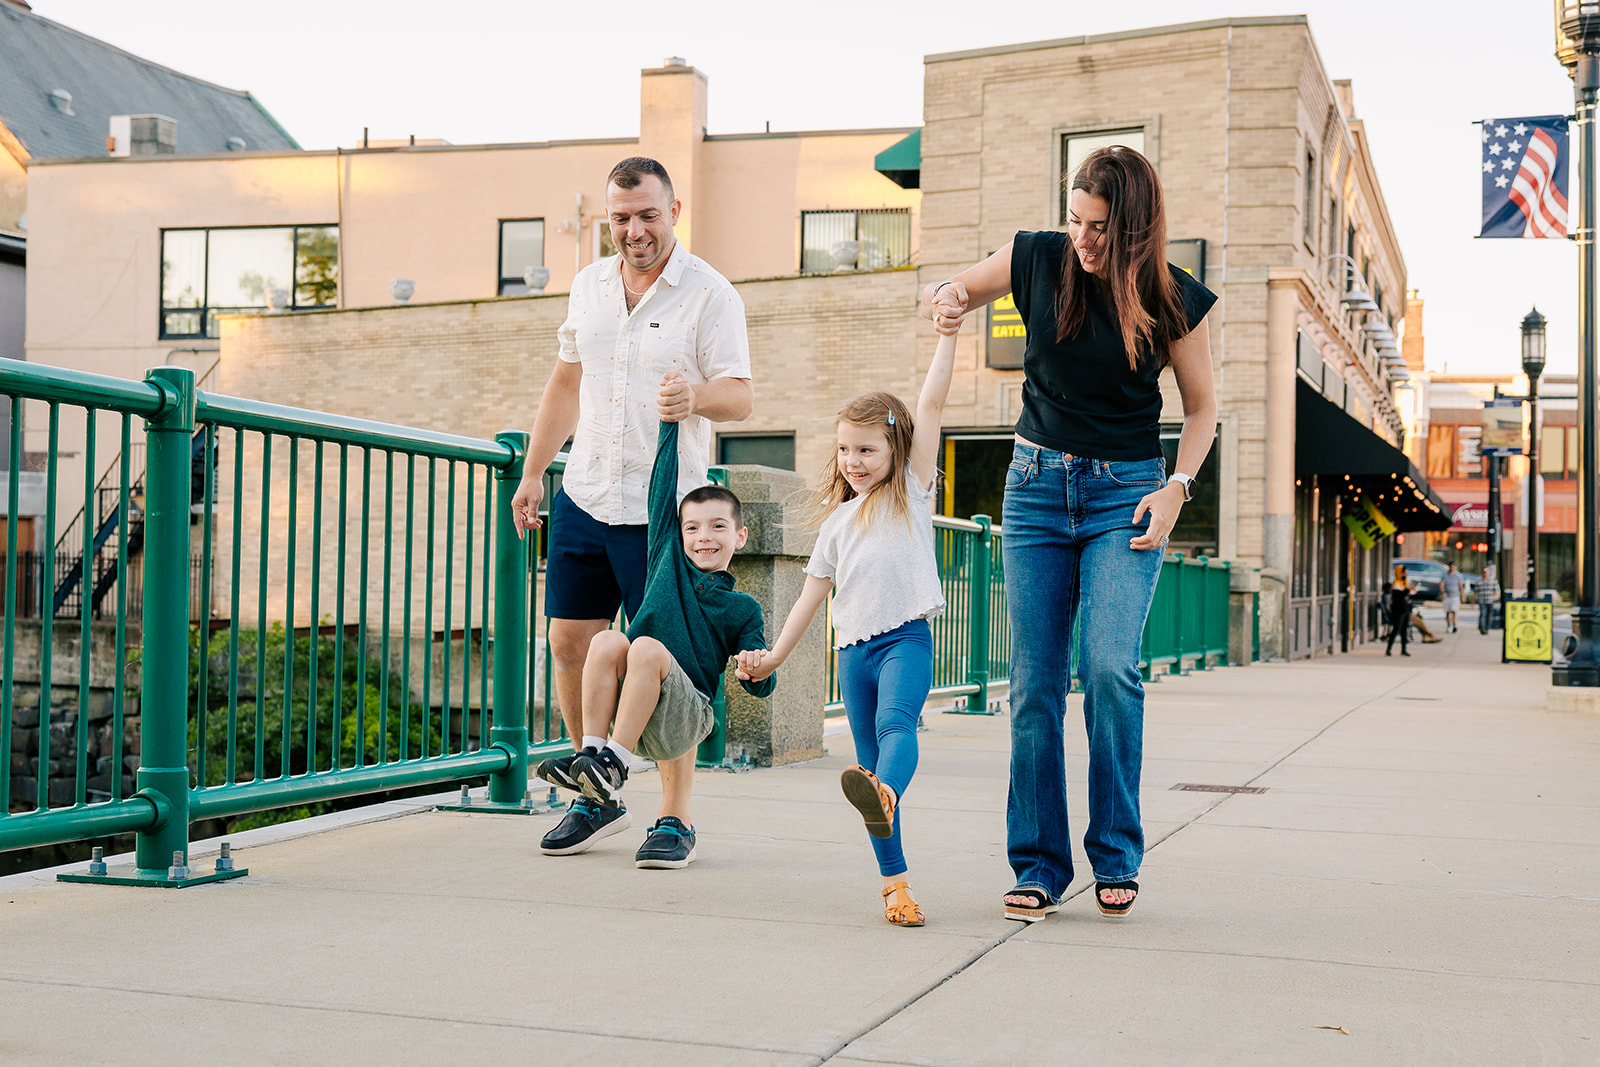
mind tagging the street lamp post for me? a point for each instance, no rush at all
(1533, 367)
(1578, 49)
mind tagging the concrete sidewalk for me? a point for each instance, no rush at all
(1420, 883)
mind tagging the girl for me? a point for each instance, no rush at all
(875, 552)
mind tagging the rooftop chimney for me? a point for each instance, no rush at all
(142, 135)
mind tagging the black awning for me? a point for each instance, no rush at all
(1330, 443)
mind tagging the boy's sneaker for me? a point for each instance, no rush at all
(669, 845)
(559, 771)
(585, 823)
(599, 775)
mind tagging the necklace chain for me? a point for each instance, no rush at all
(633, 291)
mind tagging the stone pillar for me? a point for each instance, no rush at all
(786, 727)
(1277, 549)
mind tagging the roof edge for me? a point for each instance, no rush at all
(30, 13)
(314, 152)
(257, 104)
(1120, 35)
(777, 134)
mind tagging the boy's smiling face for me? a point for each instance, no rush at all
(711, 535)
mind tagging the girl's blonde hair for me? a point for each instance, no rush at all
(879, 411)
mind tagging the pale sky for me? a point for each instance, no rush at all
(474, 71)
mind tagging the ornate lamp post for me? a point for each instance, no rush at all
(1578, 49)
(1533, 366)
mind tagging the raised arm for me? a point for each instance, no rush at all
(930, 408)
(961, 294)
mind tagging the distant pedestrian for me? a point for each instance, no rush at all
(1450, 586)
(1399, 607)
(1488, 594)
(1089, 504)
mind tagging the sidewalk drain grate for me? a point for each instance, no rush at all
(1193, 787)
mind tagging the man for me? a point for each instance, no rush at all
(1488, 595)
(651, 334)
(1450, 588)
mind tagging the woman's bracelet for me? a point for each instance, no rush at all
(936, 288)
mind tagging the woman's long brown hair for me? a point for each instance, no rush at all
(1144, 295)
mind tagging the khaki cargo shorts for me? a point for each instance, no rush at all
(683, 718)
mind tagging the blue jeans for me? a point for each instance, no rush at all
(1067, 523)
(885, 681)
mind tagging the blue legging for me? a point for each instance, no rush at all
(885, 681)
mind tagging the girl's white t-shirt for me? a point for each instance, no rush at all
(883, 577)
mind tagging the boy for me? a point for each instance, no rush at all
(651, 689)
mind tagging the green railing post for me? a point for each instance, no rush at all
(164, 699)
(978, 620)
(510, 724)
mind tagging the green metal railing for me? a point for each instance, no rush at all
(322, 525)
(1187, 626)
(972, 637)
(1188, 621)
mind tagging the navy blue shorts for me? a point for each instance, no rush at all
(593, 568)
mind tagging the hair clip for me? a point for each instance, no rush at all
(891, 418)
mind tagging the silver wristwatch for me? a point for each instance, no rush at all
(1187, 483)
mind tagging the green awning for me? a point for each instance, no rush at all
(901, 162)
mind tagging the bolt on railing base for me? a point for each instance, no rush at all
(530, 804)
(179, 876)
(158, 877)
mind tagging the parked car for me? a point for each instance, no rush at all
(1425, 574)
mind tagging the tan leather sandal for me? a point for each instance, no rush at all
(903, 911)
(873, 799)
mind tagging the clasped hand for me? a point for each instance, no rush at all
(947, 308)
(675, 402)
(755, 665)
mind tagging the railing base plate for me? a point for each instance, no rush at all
(491, 807)
(153, 878)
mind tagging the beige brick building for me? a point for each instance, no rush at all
(1273, 200)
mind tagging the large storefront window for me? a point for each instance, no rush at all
(207, 273)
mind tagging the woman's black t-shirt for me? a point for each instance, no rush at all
(1080, 395)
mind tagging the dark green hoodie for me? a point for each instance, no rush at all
(699, 615)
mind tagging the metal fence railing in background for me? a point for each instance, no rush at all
(972, 637)
(1188, 622)
(393, 547)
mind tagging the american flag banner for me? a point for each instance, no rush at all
(1525, 177)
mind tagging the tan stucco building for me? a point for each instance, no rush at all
(1272, 197)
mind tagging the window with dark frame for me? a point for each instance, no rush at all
(1076, 147)
(1312, 185)
(230, 270)
(521, 247)
(765, 449)
(861, 239)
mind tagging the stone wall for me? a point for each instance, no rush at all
(66, 703)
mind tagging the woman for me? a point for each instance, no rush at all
(1399, 606)
(1088, 506)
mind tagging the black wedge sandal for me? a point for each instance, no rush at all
(1038, 907)
(1115, 910)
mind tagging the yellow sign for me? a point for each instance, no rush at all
(1530, 631)
(1367, 524)
(1008, 335)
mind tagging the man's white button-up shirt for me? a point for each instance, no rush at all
(692, 321)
